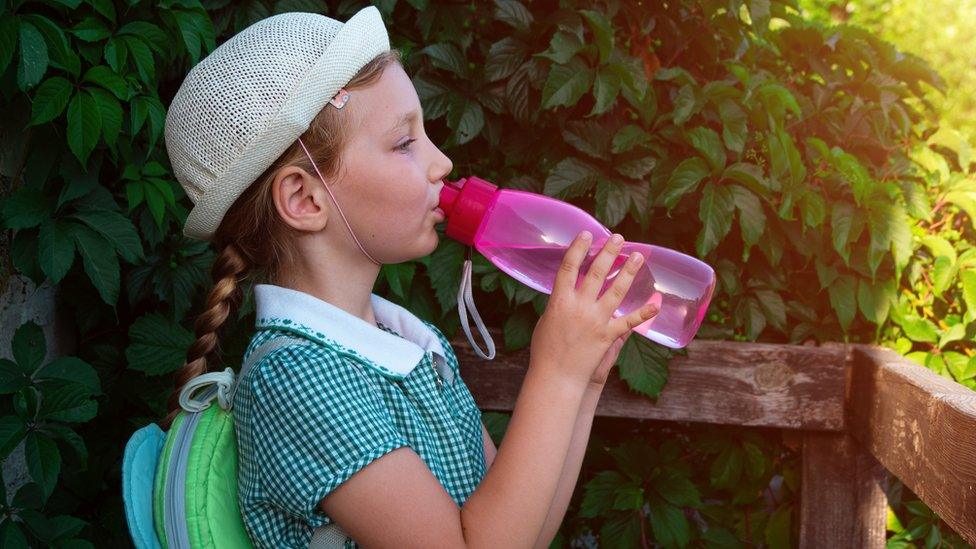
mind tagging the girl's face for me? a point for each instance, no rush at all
(391, 173)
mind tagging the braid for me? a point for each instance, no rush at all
(224, 297)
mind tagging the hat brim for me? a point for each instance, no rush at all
(359, 41)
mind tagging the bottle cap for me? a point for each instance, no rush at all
(465, 203)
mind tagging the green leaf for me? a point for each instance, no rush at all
(50, 99)
(841, 218)
(101, 263)
(84, 125)
(110, 112)
(29, 346)
(874, 299)
(68, 402)
(612, 202)
(399, 276)
(91, 29)
(684, 180)
(855, 174)
(518, 329)
(606, 88)
(504, 57)
(69, 368)
(843, 299)
(752, 177)
(8, 39)
(638, 168)
(726, 470)
(644, 366)
(448, 57)
(685, 105)
(104, 7)
(968, 280)
(142, 58)
(55, 252)
(71, 439)
(588, 137)
(60, 53)
(11, 536)
(670, 526)
(707, 142)
(104, 77)
(571, 177)
(629, 137)
(43, 462)
(621, 529)
(445, 272)
(599, 493)
(117, 229)
(465, 117)
(676, 488)
(566, 84)
(33, 57)
(157, 345)
(734, 131)
(116, 54)
(26, 207)
(13, 378)
(716, 211)
(12, 431)
(779, 529)
(752, 219)
(943, 274)
(562, 47)
(602, 32)
(514, 13)
(919, 329)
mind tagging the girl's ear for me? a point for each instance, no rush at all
(300, 199)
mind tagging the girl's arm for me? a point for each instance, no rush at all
(571, 469)
(570, 473)
(396, 501)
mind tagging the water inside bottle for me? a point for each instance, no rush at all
(675, 294)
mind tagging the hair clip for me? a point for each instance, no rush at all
(340, 99)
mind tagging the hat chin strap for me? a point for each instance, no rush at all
(334, 201)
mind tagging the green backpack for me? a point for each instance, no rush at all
(179, 488)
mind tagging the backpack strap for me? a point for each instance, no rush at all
(222, 385)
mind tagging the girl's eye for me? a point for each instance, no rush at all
(405, 145)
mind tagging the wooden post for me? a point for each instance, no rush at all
(842, 494)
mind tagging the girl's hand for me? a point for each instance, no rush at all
(576, 333)
(602, 371)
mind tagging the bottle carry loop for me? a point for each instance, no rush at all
(465, 298)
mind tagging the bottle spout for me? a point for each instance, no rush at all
(449, 195)
(465, 203)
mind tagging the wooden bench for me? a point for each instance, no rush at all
(861, 411)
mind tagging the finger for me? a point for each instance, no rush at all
(614, 296)
(596, 275)
(568, 272)
(635, 318)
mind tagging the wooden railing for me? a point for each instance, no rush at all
(861, 411)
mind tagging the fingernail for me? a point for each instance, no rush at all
(636, 257)
(585, 235)
(616, 239)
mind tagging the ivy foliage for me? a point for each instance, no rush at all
(793, 157)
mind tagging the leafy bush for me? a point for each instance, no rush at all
(790, 156)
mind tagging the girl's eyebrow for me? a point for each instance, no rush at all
(403, 119)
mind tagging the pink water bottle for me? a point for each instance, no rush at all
(527, 234)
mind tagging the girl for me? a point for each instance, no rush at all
(368, 424)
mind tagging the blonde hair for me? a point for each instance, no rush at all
(252, 241)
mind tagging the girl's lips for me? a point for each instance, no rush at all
(439, 213)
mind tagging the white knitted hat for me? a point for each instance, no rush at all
(241, 106)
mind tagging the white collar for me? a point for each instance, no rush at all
(277, 306)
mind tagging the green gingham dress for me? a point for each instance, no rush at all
(310, 416)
